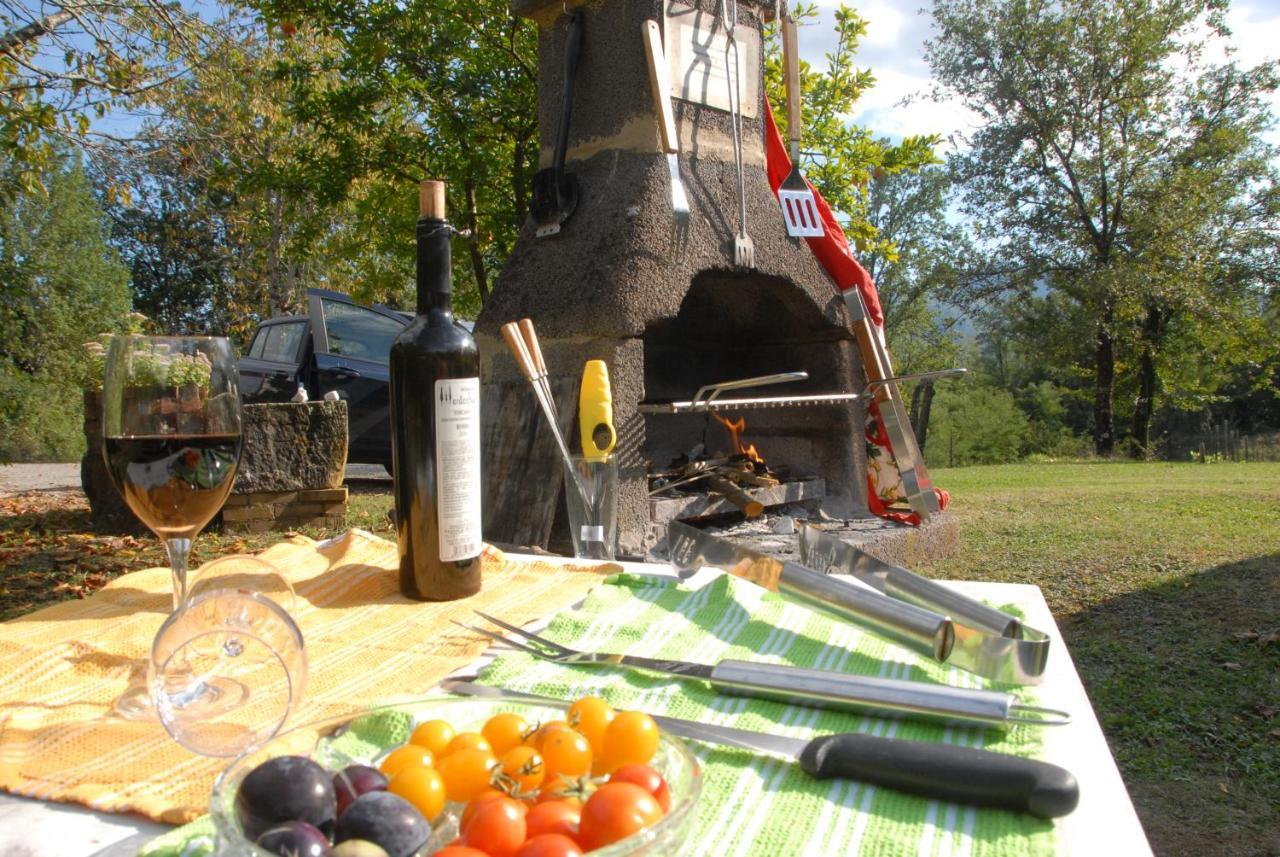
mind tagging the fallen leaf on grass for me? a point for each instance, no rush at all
(1222, 787)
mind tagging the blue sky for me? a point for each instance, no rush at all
(894, 51)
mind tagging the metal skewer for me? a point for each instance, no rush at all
(519, 338)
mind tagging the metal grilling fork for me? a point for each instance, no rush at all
(744, 249)
(808, 687)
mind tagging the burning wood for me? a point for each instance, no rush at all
(724, 475)
(735, 432)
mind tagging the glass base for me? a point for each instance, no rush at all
(207, 698)
(135, 704)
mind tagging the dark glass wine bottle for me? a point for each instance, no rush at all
(435, 427)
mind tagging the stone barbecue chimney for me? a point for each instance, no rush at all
(659, 298)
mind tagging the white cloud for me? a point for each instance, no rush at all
(893, 50)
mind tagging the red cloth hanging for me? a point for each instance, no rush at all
(833, 253)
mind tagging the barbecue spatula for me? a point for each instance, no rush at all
(799, 209)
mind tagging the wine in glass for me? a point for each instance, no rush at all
(171, 436)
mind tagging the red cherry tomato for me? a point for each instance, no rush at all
(553, 816)
(497, 828)
(550, 845)
(459, 851)
(614, 812)
(479, 800)
(646, 778)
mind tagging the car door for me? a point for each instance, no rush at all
(269, 373)
(353, 346)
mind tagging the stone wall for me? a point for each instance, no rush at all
(291, 469)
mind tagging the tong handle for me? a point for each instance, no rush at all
(531, 345)
(511, 333)
(660, 83)
(947, 772)
(759, 381)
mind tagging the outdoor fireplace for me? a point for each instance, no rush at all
(659, 298)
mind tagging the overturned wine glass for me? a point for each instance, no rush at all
(229, 667)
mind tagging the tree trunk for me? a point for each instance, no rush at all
(473, 243)
(921, 403)
(1152, 332)
(1104, 439)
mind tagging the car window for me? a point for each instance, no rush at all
(259, 342)
(283, 341)
(358, 332)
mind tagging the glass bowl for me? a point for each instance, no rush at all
(364, 737)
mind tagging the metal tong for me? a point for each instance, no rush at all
(919, 613)
(708, 396)
(808, 687)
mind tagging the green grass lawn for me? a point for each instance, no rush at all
(1165, 580)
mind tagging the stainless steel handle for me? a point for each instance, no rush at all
(886, 697)
(921, 630)
(760, 381)
(864, 694)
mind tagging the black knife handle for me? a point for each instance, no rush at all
(945, 771)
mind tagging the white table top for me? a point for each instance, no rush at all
(1103, 823)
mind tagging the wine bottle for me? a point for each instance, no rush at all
(435, 427)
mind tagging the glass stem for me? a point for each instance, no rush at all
(178, 551)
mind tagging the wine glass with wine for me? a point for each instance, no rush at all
(171, 437)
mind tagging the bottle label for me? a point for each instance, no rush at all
(458, 467)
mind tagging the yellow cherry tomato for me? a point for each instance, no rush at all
(631, 739)
(523, 766)
(466, 773)
(467, 741)
(591, 715)
(435, 735)
(566, 754)
(403, 756)
(504, 731)
(422, 787)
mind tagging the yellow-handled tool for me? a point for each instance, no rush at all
(595, 412)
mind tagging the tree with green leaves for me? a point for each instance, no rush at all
(1117, 169)
(79, 61)
(427, 88)
(60, 285)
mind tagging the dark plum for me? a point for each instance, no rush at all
(295, 839)
(286, 788)
(355, 780)
(359, 848)
(384, 819)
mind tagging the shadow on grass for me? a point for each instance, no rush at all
(1185, 678)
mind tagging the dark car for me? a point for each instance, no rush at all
(338, 346)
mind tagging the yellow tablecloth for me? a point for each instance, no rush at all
(62, 668)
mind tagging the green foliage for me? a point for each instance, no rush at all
(975, 423)
(424, 89)
(847, 157)
(60, 284)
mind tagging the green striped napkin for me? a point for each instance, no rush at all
(759, 805)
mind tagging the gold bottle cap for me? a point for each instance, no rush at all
(431, 199)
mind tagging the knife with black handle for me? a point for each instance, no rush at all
(941, 771)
